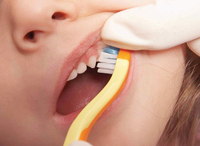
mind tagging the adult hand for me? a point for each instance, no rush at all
(162, 25)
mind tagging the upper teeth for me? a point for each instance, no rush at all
(73, 75)
(82, 67)
(92, 61)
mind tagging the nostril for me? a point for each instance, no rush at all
(29, 41)
(30, 36)
(59, 16)
(33, 36)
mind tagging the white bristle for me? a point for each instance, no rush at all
(106, 65)
(107, 55)
(107, 60)
(105, 71)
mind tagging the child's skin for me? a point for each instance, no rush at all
(31, 65)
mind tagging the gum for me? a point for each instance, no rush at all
(94, 50)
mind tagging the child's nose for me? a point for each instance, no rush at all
(35, 19)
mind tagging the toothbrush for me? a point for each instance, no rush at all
(107, 60)
(83, 123)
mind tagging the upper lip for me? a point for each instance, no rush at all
(72, 59)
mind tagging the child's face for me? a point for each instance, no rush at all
(42, 41)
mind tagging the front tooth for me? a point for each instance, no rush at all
(73, 75)
(81, 68)
(92, 62)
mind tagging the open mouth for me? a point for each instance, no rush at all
(84, 83)
(79, 92)
(73, 95)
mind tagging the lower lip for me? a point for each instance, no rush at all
(64, 121)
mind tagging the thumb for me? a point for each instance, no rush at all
(154, 27)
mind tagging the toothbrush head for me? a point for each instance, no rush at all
(107, 60)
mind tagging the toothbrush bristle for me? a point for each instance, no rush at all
(105, 71)
(107, 60)
(106, 65)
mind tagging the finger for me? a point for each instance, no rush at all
(194, 45)
(163, 25)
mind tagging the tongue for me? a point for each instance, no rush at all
(80, 91)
